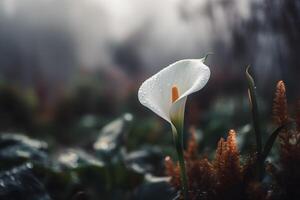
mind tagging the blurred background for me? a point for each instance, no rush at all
(69, 67)
(61, 60)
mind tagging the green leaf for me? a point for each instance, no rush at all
(20, 183)
(256, 124)
(254, 110)
(271, 140)
(17, 149)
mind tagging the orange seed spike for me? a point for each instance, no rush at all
(175, 93)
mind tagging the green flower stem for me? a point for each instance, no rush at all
(182, 173)
(178, 139)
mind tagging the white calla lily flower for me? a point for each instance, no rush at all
(165, 93)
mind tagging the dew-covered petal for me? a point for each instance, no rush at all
(188, 76)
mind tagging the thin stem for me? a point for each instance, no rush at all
(182, 173)
(178, 139)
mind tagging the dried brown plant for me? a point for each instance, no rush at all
(228, 168)
(226, 177)
(227, 161)
(219, 179)
(280, 106)
(287, 177)
(280, 114)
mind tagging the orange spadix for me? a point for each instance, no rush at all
(175, 93)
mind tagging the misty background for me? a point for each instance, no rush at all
(71, 125)
(50, 48)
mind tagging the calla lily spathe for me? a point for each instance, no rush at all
(187, 76)
(165, 93)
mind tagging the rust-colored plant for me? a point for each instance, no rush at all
(227, 166)
(230, 177)
(287, 176)
(222, 178)
(280, 107)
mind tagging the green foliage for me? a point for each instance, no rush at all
(107, 170)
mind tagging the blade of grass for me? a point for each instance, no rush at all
(255, 119)
(254, 110)
(270, 142)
